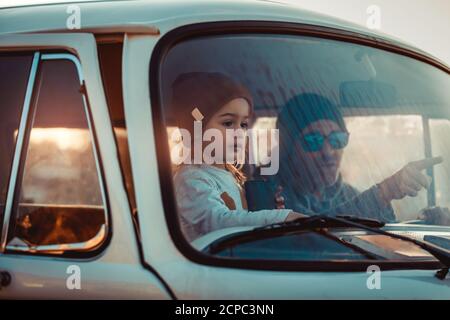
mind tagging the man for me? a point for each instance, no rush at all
(313, 136)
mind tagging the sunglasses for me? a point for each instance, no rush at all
(313, 141)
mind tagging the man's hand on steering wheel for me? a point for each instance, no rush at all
(436, 216)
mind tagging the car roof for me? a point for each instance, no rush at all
(152, 12)
(157, 14)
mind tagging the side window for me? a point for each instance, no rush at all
(59, 200)
(14, 73)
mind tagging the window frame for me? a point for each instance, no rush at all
(22, 53)
(179, 34)
(86, 249)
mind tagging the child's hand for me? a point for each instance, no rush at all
(279, 202)
(294, 215)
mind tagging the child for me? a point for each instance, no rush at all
(210, 196)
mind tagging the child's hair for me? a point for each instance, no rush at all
(207, 92)
(237, 173)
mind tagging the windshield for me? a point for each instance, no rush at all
(266, 128)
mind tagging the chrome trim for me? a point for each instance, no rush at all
(18, 151)
(65, 56)
(98, 239)
(74, 59)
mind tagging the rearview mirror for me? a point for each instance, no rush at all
(367, 94)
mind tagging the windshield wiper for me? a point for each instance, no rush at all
(315, 223)
(322, 222)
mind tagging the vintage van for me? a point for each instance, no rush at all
(87, 199)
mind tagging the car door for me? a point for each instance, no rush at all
(67, 230)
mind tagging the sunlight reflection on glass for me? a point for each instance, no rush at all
(63, 138)
(60, 168)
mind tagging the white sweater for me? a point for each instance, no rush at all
(200, 192)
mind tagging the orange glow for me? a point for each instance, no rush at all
(64, 138)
